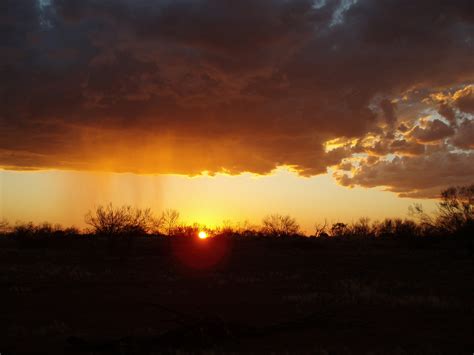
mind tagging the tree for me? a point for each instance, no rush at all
(424, 219)
(4, 226)
(280, 225)
(169, 221)
(456, 210)
(386, 228)
(320, 230)
(361, 228)
(113, 221)
(227, 229)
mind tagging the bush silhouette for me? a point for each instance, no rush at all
(361, 228)
(30, 235)
(4, 226)
(339, 229)
(455, 214)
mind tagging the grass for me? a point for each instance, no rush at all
(269, 296)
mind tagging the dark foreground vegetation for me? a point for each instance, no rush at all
(135, 284)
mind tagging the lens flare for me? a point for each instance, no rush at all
(202, 235)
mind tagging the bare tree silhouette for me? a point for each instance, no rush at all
(113, 221)
(280, 225)
(169, 221)
(320, 229)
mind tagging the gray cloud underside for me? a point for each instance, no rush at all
(185, 86)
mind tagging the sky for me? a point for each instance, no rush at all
(65, 196)
(230, 110)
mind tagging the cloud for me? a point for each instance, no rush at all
(186, 86)
(464, 137)
(448, 113)
(464, 99)
(416, 176)
(389, 109)
(433, 131)
(404, 147)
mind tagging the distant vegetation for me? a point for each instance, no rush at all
(110, 221)
(280, 226)
(454, 218)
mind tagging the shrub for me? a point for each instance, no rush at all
(361, 228)
(4, 226)
(339, 229)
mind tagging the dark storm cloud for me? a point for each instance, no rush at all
(464, 137)
(447, 112)
(389, 109)
(404, 147)
(432, 132)
(464, 99)
(218, 85)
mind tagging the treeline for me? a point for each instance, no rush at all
(454, 218)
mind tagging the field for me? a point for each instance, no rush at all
(224, 295)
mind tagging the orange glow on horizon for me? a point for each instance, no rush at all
(65, 197)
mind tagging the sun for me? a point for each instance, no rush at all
(202, 235)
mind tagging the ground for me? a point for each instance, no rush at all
(158, 295)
